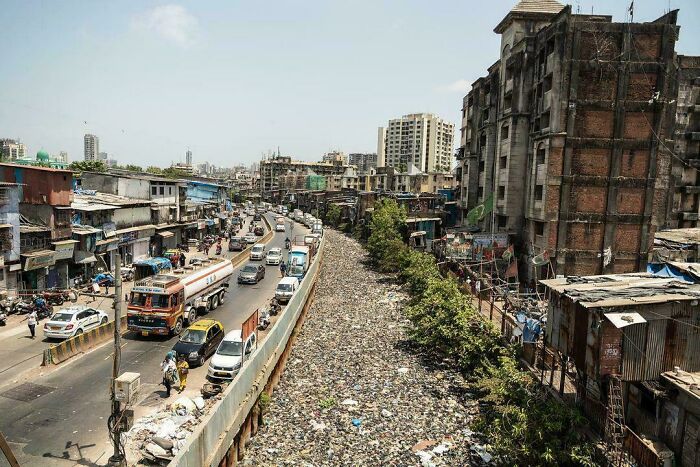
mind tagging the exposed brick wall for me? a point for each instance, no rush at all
(638, 125)
(630, 201)
(591, 161)
(552, 200)
(641, 86)
(635, 163)
(552, 236)
(597, 84)
(584, 236)
(555, 161)
(623, 265)
(588, 199)
(582, 267)
(599, 45)
(646, 46)
(627, 238)
(594, 124)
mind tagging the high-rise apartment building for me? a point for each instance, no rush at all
(569, 134)
(92, 147)
(423, 140)
(363, 161)
(335, 157)
(11, 150)
(188, 158)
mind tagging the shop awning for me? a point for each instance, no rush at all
(5, 226)
(84, 257)
(138, 228)
(165, 234)
(38, 259)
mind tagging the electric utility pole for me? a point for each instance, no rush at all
(115, 424)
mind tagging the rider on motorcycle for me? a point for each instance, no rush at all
(287, 243)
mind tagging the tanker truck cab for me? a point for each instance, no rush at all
(163, 304)
(298, 259)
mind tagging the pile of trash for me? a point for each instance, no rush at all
(355, 391)
(160, 436)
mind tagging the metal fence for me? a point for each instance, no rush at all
(215, 434)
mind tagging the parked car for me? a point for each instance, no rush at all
(257, 252)
(259, 231)
(69, 322)
(251, 274)
(274, 256)
(199, 341)
(232, 352)
(286, 289)
(236, 244)
(250, 237)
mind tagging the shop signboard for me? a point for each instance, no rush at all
(109, 229)
(39, 260)
(201, 225)
(64, 250)
(128, 237)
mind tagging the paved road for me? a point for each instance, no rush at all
(67, 426)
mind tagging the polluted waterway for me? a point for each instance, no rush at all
(354, 391)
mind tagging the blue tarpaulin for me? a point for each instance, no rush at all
(668, 270)
(156, 264)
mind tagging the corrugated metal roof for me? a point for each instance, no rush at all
(538, 6)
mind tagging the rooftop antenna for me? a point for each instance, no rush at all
(578, 7)
(631, 10)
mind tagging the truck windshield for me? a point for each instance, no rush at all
(296, 270)
(284, 287)
(230, 348)
(160, 301)
(138, 299)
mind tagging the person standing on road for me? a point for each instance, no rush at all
(182, 369)
(169, 372)
(283, 268)
(31, 323)
(182, 260)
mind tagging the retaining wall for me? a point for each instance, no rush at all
(211, 440)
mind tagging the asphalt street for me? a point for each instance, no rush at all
(60, 417)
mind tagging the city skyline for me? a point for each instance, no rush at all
(233, 82)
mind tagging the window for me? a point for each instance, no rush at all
(162, 190)
(170, 190)
(541, 153)
(505, 132)
(538, 228)
(501, 192)
(503, 162)
(502, 221)
(480, 193)
(539, 190)
(154, 190)
(481, 166)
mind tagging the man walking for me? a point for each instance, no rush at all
(283, 268)
(182, 369)
(31, 322)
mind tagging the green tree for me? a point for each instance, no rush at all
(174, 172)
(133, 168)
(88, 166)
(385, 243)
(333, 215)
(152, 169)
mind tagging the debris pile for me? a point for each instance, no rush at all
(158, 437)
(355, 391)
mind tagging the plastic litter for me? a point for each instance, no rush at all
(349, 402)
(481, 452)
(356, 422)
(199, 402)
(162, 442)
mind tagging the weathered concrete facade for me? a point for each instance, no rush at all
(577, 157)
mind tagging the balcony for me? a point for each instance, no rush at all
(689, 216)
(693, 135)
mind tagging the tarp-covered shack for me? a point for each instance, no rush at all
(634, 325)
(150, 266)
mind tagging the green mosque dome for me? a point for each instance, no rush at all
(42, 156)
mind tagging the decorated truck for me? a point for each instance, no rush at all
(163, 304)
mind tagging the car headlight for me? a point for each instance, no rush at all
(194, 354)
(236, 366)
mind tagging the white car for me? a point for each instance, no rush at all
(69, 322)
(280, 227)
(230, 355)
(250, 237)
(286, 289)
(257, 252)
(274, 256)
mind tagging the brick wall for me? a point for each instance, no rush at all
(585, 236)
(638, 125)
(588, 199)
(627, 238)
(630, 201)
(635, 163)
(591, 161)
(594, 123)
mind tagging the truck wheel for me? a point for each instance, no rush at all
(222, 294)
(214, 302)
(178, 327)
(192, 316)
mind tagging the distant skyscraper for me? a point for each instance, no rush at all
(336, 157)
(11, 150)
(188, 157)
(92, 147)
(102, 156)
(63, 156)
(363, 161)
(422, 140)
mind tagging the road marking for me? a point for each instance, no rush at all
(112, 354)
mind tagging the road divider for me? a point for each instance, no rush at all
(81, 343)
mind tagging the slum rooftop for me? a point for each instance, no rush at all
(618, 290)
(684, 381)
(88, 200)
(676, 237)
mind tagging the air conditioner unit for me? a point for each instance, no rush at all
(126, 387)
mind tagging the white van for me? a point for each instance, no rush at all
(286, 288)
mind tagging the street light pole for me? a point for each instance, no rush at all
(115, 423)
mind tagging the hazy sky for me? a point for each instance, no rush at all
(232, 79)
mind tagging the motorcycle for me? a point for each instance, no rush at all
(23, 306)
(287, 244)
(263, 320)
(275, 307)
(3, 318)
(218, 249)
(54, 297)
(184, 247)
